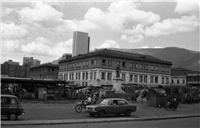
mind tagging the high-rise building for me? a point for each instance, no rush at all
(81, 43)
(30, 62)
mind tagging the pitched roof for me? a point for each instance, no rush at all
(45, 65)
(117, 54)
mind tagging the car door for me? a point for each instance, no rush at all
(14, 106)
(122, 106)
(112, 108)
(4, 105)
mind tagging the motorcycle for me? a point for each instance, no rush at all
(80, 106)
(172, 104)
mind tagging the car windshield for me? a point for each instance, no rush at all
(104, 102)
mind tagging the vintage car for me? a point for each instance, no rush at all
(11, 107)
(111, 106)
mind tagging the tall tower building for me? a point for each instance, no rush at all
(81, 43)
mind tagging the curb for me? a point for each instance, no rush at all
(99, 120)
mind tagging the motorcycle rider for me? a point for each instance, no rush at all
(88, 101)
(172, 103)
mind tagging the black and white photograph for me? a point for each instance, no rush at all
(100, 63)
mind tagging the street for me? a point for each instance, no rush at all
(172, 123)
(66, 111)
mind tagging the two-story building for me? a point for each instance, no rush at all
(98, 68)
(44, 71)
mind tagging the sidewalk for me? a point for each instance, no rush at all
(102, 120)
(41, 114)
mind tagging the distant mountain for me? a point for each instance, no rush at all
(56, 61)
(178, 56)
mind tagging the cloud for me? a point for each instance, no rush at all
(10, 45)
(145, 47)
(43, 46)
(40, 15)
(191, 8)
(170, 26)
(11, 31)
(109, 44)
(40, 12)
(75, 25)
(123, 17)
(6, 11)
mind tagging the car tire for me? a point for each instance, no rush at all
(12, 116)
(128, 113)
(101, 113)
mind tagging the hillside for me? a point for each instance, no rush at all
(178, 56)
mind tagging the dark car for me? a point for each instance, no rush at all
(111, 106)
(11, 107)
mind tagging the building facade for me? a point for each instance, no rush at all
(81, 43)
(30, 62)
(13, 69)
(44, 71)
(178, 76)
(98, 68)
(193, 78)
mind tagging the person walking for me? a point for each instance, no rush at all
(44, 95)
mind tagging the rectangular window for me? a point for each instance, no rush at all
(167, 69)
(183, 81)
(136, 66)
(167, 80)
(156, 79)
(95, 75)
(130, 77)
(146, 67)
(152, 68)
(76, 75)
(177, 81)
(163, 69)
(163, 80)
(145, 79)
(86, 75)
(172, 81)
(141, 66)
(103, 75)
(91, 75)
(109, 76)
(92, 62)
(123, 64)
(135, 78)
(123, 77)
(131, 65)
(83, 77)
(152, 77)
(156, 67)
(118, 63)
(87, 63)
(141, 78)
(79, 75)
(72, 76)
(110, 62)
(103, 62)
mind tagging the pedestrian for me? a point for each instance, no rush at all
(44, 95)
(94, 99)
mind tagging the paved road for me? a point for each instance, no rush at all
(175, 123)
(66, 111)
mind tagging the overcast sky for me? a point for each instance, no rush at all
(44, 30)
